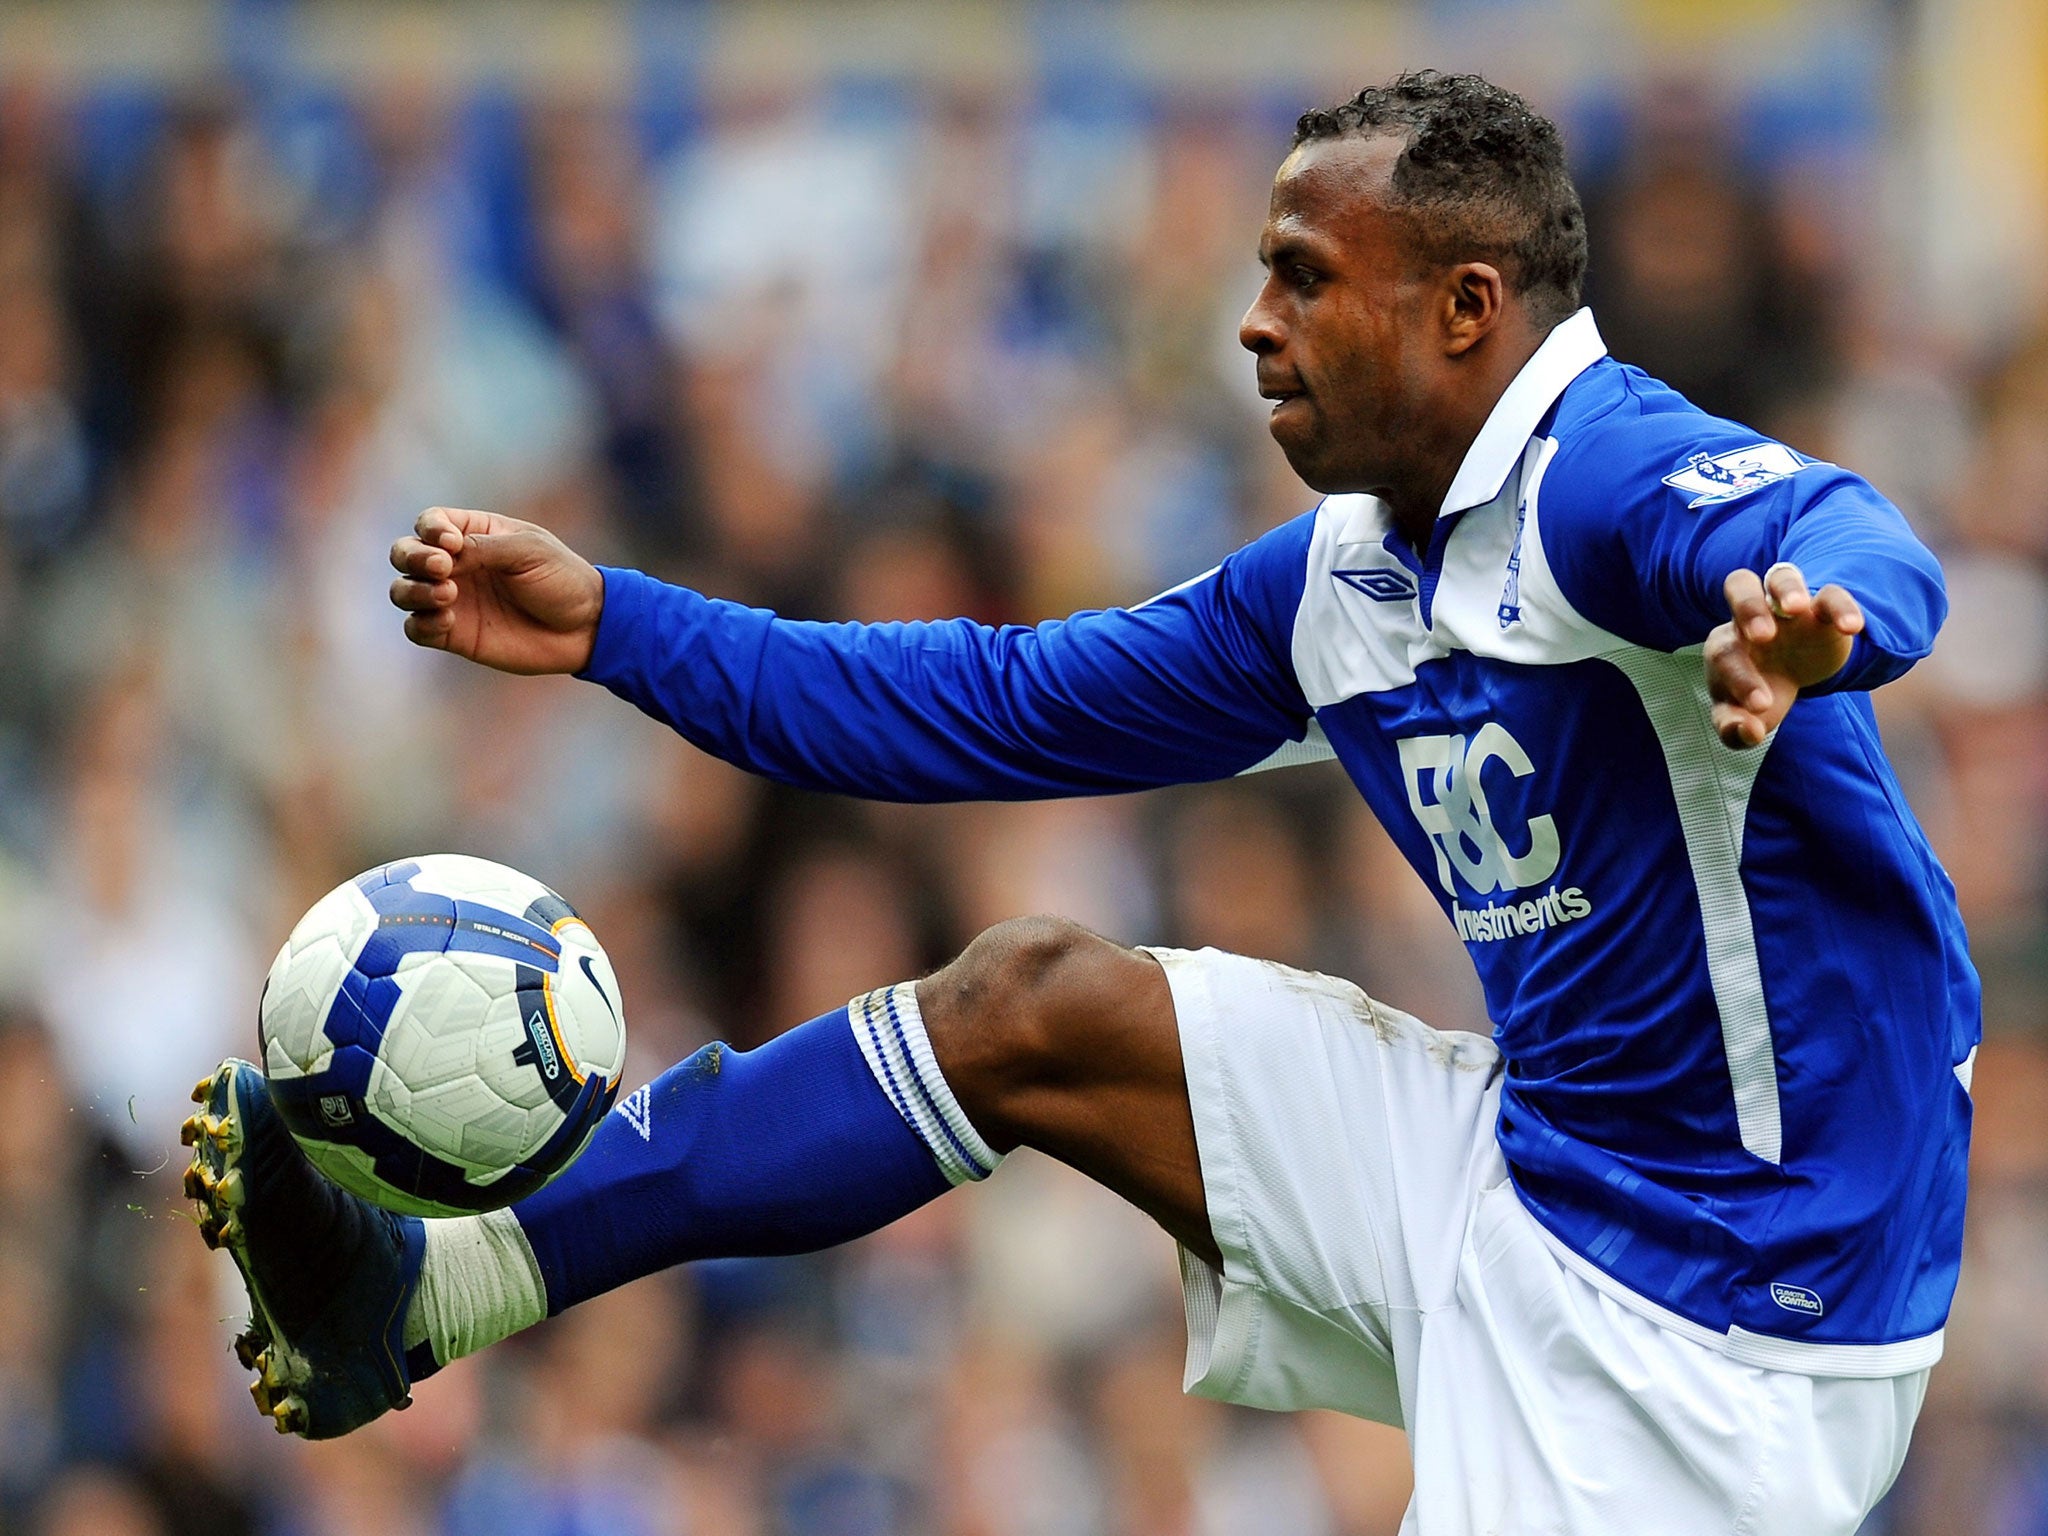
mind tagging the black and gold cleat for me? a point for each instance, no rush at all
(329, 1276)
(290, 1415)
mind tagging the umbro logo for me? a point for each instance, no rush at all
(1381, 583)
(638, 1108)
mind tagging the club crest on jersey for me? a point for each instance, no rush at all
(1724, 476)
(1381, 583)
(1511, 588)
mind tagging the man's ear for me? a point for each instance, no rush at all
(1473, 299)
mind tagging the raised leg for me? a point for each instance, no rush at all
(1040, 1034)
(1054, 1038)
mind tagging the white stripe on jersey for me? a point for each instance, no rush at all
(1711, 783)
(1314, 747)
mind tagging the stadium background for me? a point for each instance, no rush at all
(860, 310)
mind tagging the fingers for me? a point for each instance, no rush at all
(440, 535)
(1782, 594)
(1785, 586)
(1834, 607)
(414, 557)
(426, 569)
(1780, 637)
(430, 629)
(1733, 677)
(1735, 684)
(450, 527)
(1738, 728)
(422, 596)
(437, 526)
(1750, 606)
(425, 559)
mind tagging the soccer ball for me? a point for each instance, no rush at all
(442, 1035)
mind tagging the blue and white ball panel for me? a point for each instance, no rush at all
(443, 1035)
(305, 976)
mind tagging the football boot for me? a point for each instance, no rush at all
(329, 1275)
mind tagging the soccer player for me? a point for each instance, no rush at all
(1673, 1250)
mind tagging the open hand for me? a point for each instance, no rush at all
(1780, 638)
(496, 590)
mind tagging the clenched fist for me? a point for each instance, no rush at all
(496, 590)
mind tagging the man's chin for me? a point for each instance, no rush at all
(1311, 456)
(1315, 470)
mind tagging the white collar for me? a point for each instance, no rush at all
(1572, 347)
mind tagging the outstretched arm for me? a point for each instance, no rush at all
(1810, 583)
(1196, 684)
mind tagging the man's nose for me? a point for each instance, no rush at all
(1259, 331)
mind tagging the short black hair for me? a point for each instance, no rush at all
(1482, 176)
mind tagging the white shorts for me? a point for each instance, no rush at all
(1376, 1260)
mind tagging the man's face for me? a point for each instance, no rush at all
(1341, 325)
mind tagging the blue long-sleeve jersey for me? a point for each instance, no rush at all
(1731, 987)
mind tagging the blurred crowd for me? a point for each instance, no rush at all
(865, 349)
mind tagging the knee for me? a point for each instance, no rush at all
(1022, 996)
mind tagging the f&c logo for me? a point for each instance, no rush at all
(1446, 781)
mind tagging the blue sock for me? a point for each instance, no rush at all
(825, 1133)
